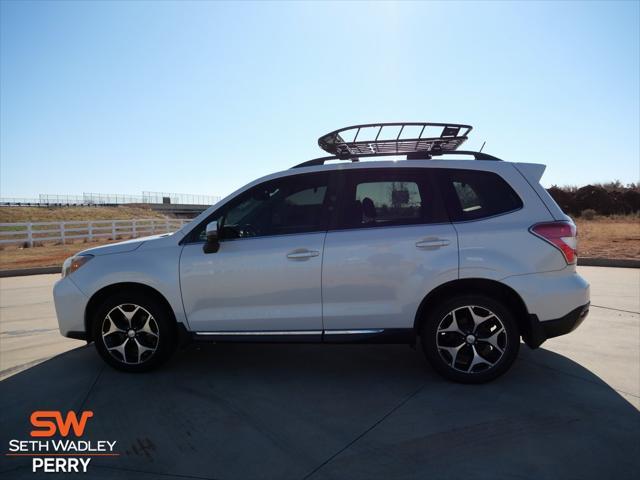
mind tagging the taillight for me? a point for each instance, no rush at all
(562, 235)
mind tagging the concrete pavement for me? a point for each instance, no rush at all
(28, 326)
(566, 410)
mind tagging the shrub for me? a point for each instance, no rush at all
(564, 198)
(588, 214)
(612, 198)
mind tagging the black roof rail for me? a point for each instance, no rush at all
(320, 161)
(475, 155)
(418, 140)
(417, 156)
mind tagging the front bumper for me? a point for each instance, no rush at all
(541, 331)
(70, 305)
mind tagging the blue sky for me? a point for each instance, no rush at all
(121, 97)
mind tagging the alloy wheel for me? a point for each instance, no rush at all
(130, 334)
(471, 339)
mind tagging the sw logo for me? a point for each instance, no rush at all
(61, 454)
(50, 421)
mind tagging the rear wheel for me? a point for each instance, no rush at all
(470, 339)
(133, 333)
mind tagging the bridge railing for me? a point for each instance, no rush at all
(110, 199)
(31, 234)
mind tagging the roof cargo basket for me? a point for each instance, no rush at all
(416, 140)
(382, 139)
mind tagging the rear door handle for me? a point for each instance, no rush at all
(432, 243)
(302, 253)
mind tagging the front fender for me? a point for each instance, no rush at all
(156, 267)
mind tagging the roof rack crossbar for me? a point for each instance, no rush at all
(378, 134)
(357, 133)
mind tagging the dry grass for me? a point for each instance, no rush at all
(615, 237)
(50, 255)
(45, 256)
(609, 237)
(58, 214)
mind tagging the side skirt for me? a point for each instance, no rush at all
(290, 336)
(378, 335)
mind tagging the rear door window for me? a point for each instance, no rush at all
(474, 194)
(380, 197)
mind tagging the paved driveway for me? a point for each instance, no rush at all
(566, 410)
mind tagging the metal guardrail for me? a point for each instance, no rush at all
(179, 198)
(91, 199)
(25, 202)
(32, 233)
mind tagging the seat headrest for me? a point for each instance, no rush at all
(368, 208)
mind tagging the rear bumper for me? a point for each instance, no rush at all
(541, 331)
(550, 295)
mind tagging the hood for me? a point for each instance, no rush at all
(121, 247)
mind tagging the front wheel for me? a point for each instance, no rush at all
(470, 339)
(133, 333)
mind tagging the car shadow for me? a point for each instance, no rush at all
(330, 411)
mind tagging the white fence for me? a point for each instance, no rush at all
(31, 233)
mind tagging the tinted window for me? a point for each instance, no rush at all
(473, 194)
(284, 206)
(377, 198)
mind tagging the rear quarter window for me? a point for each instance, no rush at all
(474, 194)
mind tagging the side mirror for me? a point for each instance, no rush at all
(212, 244)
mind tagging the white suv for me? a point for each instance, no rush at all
(469, 256)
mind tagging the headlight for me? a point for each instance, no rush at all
(72, 264)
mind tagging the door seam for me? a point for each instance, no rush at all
(324, 241)
(457, 246)
(184, 310)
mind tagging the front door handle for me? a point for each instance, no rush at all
(302, 253)
(432, 243)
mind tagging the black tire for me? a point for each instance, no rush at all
(494, 351)
(118, 307)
